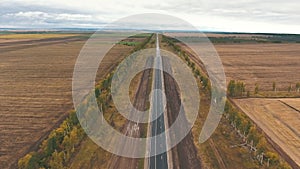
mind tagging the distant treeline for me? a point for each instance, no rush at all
(278, 38)
(255, 38)
(238, 89)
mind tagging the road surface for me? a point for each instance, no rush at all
(157, 107)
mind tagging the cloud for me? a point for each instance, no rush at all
(235, 15)
(34, 19)
(37, 15)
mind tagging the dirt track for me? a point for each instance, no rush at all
(184, 154)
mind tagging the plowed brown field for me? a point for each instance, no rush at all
(36, 89)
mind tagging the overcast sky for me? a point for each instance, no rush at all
(270, 16)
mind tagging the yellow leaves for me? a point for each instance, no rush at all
(261, 145)
(74, 136)
(23, 162)
(59, 130)
(57, 160)
(273, 157)
(67, 143)
(44, 145)
(52, 134)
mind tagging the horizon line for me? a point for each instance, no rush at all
(167, 30)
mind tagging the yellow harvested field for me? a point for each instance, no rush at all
(261, 63)
(34, 36)
(279, 119)
(293, 103)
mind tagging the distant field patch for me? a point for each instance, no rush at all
(34, 36)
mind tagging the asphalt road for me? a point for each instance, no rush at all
(158, 126)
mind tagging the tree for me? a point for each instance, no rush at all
(193, 65)
(247, 128)
(236, 88)
(23, 163)
(57, 160)
(51, 146)
(231, 88)
(228, 107)
(290, 88)
(298, 86)
(238, 121)
(240, 88)
(274, 86)
(232, 116)
(253, 135)
(60, 132)
(261, 145)
(248, 93)
(204, 82)
(273, 157)
(256, 88)
(244, 125)
(197, 72)
(97, 92)
(73, 118)
(67, 146)
(74, 137)
(29, 161)
(284, 165)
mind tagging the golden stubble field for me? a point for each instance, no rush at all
(279, 119)
(262, 64)
(258, 63)
(36, 90)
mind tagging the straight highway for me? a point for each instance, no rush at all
(157, 109)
